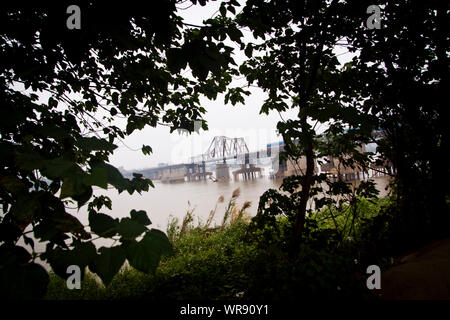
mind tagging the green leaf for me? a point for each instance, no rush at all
(223, 10)
(248, 51)
(93, 143)
(234, 33)
(11, 254)
(115, 99)
(58, 167)
(130, 229)
(114, 176)
(9, 232)
(45, 231)
(52, 102)
(98, 177)
(146, 254)
(99, 202)
(24, 209)
(13, 184)
(74, 187)
(140, 216)
(82, 255)
(176, 60)
(28, 160)
(67, 188)
(108, 263)
(102, 224)
(59, 260)
(28, 241)
(65, 222)
(27, 282)
(159, 240)
(86, 253)
(146, 150)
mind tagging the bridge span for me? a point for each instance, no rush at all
(224, 151)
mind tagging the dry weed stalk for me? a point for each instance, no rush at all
(231, 205)
(241, 216)
(212, 213)
(188, 218)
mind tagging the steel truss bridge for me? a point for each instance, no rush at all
(235, 149)
(223, 148)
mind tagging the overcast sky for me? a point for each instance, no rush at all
(231, 121)
(241, 120)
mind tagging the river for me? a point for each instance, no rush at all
(174, 199)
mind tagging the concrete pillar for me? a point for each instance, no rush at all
(222, 171)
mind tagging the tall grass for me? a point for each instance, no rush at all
(233, 213)
(187, 220)
(229, 261)
(212, 213)
(202, 252)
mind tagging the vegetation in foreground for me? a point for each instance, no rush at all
(64, 95)
(236, 260)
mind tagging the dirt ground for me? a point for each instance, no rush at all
(424, 275)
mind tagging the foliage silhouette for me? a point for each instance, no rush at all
(63, 95)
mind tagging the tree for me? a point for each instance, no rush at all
(124, 62)
(401, 73)
(297, 67)
(395, 82)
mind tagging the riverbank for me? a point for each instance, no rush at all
(232, 261)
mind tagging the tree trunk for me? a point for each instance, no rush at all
(301, 213)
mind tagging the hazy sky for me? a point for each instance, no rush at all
(241, 120)
(232, 121)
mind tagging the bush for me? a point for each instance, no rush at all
(234, 261)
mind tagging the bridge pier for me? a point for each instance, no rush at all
(222, 171)
(197, 172)
(198, 176)
(248, 173)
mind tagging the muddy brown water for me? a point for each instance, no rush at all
(174, 199)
